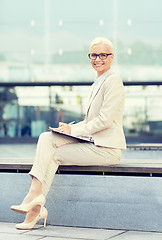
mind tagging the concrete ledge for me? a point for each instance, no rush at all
(143, 167)
(113, 202)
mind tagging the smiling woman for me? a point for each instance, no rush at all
(102, 124)
(101, 55)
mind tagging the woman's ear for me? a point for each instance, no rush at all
(112, 57)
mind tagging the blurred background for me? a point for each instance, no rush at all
(45, 74)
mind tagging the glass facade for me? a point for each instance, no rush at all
(31, 110)
(48, 41)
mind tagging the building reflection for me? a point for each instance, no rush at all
(26, 112)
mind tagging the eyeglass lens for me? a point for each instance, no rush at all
(102, 56)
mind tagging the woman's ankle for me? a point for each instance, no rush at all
(34, 193)
(30, 196)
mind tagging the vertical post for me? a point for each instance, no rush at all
(18, 120)
(50, 106)
(146, 115)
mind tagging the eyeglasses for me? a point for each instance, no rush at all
(102, 56)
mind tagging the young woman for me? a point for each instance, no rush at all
(102, 123)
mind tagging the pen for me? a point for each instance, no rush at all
(71, 123)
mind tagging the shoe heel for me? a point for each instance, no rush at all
(42, 211)
(45, 220)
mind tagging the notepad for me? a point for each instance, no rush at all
(81, 139)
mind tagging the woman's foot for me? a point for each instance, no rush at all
(29, 203)
(32, 214)
(34, 198)
(32, 217)
(30, 196)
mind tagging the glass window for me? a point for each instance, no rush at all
(48, 40)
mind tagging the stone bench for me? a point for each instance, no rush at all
(123, 196)
(140, 167)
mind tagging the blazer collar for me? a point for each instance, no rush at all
(97, 87)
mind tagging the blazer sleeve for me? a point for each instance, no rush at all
(113, 97)
(78, 124)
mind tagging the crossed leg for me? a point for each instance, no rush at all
(54, 150)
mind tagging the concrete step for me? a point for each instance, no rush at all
(111, 202)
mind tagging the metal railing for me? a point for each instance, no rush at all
(73, 83)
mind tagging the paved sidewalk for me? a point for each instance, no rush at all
(27, 151)
(8, 232)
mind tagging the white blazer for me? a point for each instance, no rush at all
(104, 115)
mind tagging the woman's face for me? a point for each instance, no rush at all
(99, 65)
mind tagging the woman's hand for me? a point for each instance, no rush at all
(64, 128)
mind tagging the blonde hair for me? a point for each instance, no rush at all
(103, 40)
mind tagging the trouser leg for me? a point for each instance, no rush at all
(45, 166)
(80, 154)
(54, 150)
(86, 154)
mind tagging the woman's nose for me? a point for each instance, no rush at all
(97, 58)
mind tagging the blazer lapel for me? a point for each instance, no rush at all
(96, 89)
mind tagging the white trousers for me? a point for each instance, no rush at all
(54, 150)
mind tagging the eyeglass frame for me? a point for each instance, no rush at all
(98, 55)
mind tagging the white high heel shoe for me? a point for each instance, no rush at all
(26, 226)
(24, 208)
